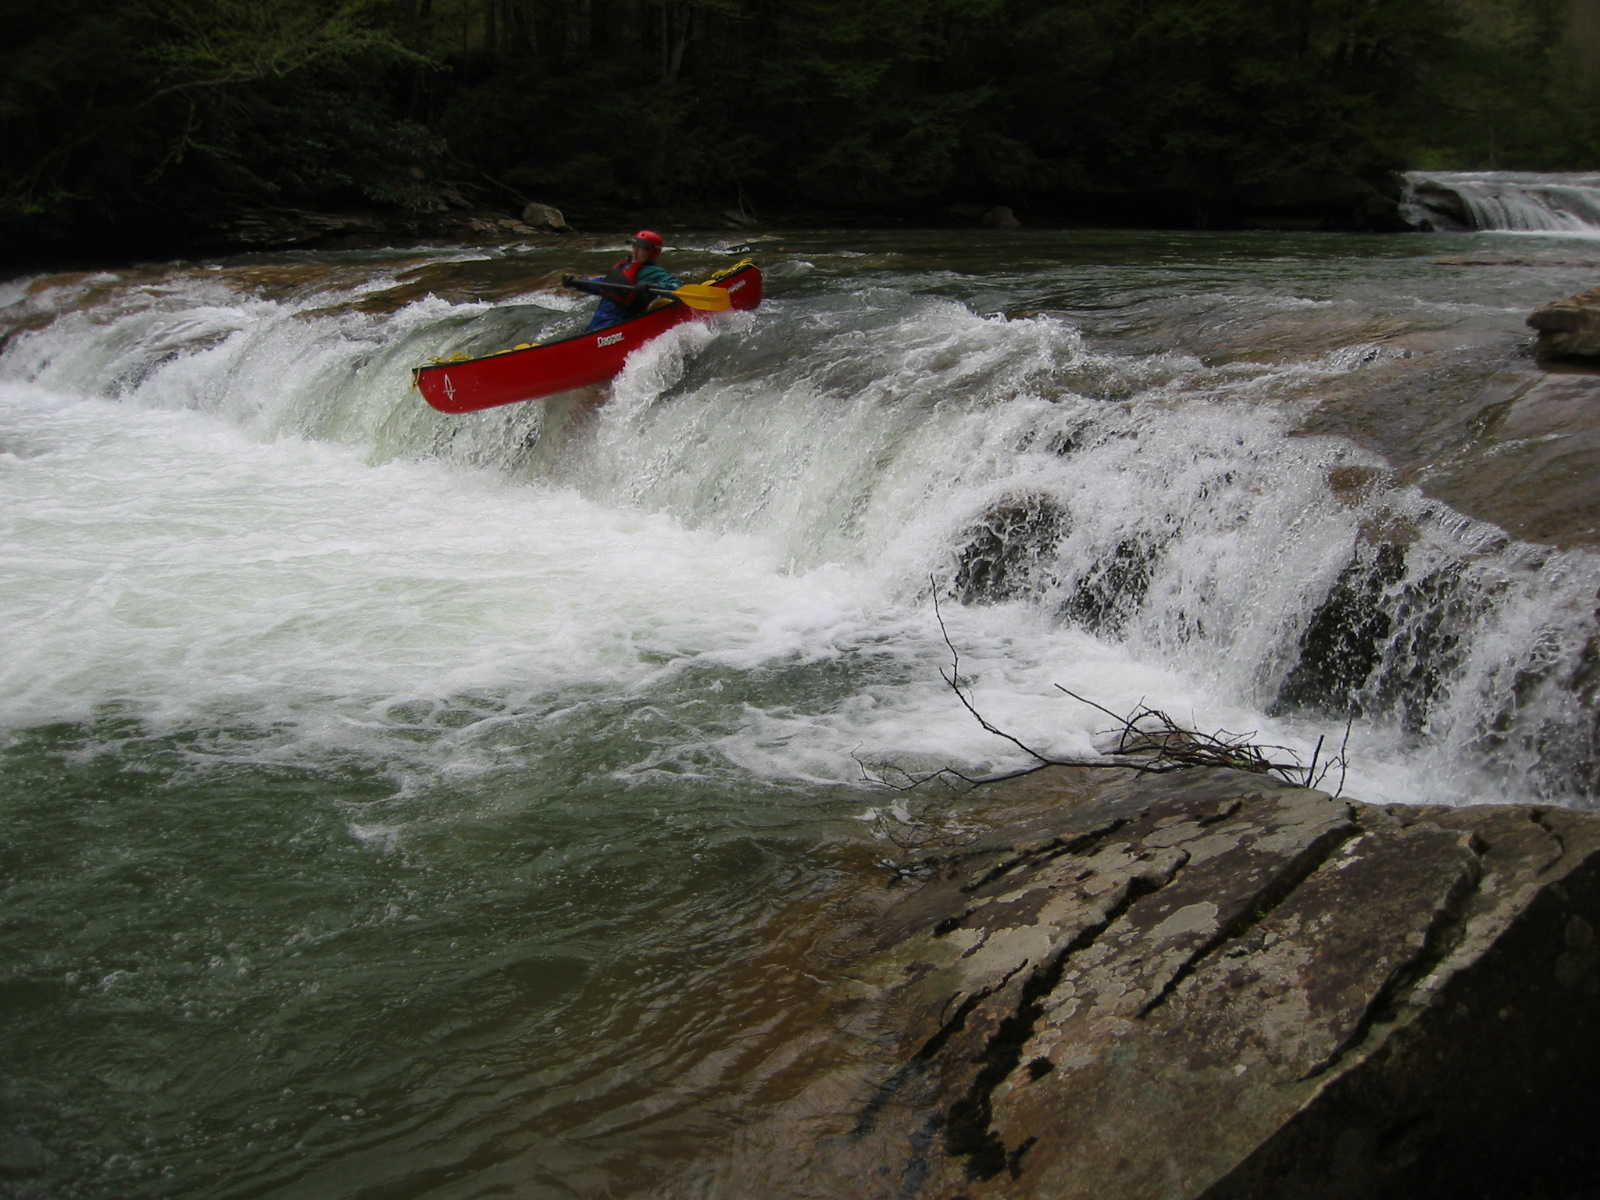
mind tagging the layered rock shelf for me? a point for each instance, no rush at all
(1208, 984)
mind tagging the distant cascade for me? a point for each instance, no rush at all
(1523, 202)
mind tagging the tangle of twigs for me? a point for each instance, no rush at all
(1148, 740)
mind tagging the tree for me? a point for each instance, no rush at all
(1169, 111)
(196, 106)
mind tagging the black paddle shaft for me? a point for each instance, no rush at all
(608, 290)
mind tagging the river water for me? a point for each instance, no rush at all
(409, 805)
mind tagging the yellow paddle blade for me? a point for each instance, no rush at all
(702, 295)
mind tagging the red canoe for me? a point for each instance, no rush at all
(529, 372)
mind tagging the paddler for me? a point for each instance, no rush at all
(634, 276)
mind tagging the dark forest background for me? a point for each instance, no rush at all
(152, 124)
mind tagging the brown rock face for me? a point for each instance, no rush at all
(1206, 985)
(1569, 329)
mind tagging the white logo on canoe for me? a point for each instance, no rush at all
(611, 339)
(449, 388)
(734, 287)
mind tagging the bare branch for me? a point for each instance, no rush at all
(1148, 741)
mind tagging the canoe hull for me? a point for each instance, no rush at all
(512, 376)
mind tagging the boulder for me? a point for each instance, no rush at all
(267, 228)
(545, 217)
(1209, 984)
(1569, 328)
(1010, 549)
(1432, 205)
(1000, 217)
(274, 227)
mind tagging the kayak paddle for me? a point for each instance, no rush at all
(699, 295)
(695, 295)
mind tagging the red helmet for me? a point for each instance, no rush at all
(647, 237)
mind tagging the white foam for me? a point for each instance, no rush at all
(272, 538)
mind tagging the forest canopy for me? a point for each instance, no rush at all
(159, 118)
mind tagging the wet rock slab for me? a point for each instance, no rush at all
(1569, 328)
(1205, 984)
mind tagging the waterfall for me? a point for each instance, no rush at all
(1511, 201)
(1158, 504)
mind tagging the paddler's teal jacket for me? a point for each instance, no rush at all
(611, 311)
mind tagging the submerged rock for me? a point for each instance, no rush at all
(1113, 588)
(1209, 984)
(1383, 641)
(1008, 551)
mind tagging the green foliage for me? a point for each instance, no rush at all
(162, 113)
(217, 43)
(131, 109)
(1519, 90)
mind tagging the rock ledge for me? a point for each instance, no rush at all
(1209, 985)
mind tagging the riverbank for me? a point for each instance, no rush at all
(1359, 206)
(1207, 984)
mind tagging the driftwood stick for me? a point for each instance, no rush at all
(1148, 741)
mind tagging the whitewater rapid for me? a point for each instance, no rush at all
(227, 510)
(302, 604)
